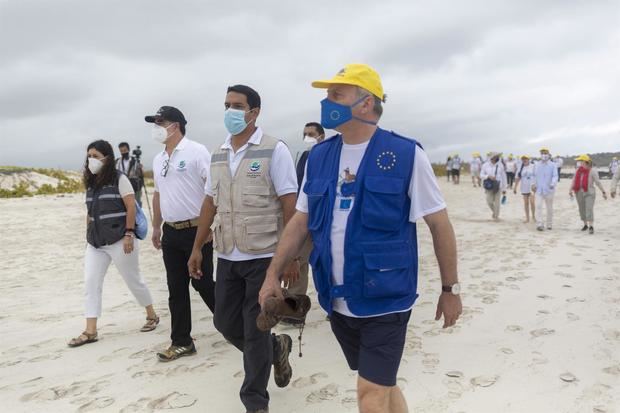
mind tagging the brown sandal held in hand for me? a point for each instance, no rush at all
(82, 339)
(150, 325)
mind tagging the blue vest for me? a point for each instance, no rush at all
(380, 251)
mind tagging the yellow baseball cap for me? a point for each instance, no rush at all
(355, 74)
(545, 150)
(524, 157)
(584, 158)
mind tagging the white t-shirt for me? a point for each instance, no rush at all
(528, 178)
(511, 166)
(281, 170)
(182, 190)
(124, 186)
(423, 184)
(475, 165)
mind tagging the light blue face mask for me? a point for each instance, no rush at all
(234, 120)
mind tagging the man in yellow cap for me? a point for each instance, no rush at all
(546, 175)
(363, 191)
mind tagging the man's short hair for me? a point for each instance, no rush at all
(251, 95)
(123, 144)
(316, 126)
(378, 102)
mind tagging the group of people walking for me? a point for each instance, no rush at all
(349, 209)
(537, 183)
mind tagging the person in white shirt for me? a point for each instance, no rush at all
(559, 163)
(251, 194)
(131, 166)
(449, 168)
(494, 181)
(474, 167)
(614, 166)
(110, 236)
(456, 169)
(368, 186)
(181, 172)
(546, 176)
(526, 178)
(511, 170)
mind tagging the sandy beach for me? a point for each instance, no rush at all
(540, 330)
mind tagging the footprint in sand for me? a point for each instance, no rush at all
(514, 328)
(612, 335)
(220, 344)
(506, 350)
(613, 370)
(328, 392)
(484, 381)
(542, 332)
(350, 399)
(309, 381)
(568, 377)
(147, 373)
(173, 400)
(455, 374)
(139, 406)
(96, 404)
(238, 374)
(544, 297)
(572, 317)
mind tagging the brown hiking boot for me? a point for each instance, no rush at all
(292, 307)
(282, 370)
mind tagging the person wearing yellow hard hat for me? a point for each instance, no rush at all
(363, 191)
(524, 181)
(511, 170)
(583, 188)
(475, 165)
(546, 175)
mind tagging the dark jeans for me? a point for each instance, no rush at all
(510, 177)
(177, 248)
(559, 172)
(237, 287)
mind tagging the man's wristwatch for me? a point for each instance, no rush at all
(455, 289)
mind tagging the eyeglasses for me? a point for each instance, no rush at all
(165, 168)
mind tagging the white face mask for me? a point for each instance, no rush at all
(159, 133)
(544, 157)
(94, 165)
(310, 140)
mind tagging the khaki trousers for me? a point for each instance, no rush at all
(493, 201)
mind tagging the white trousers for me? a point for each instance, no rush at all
(545, 201)
(96, 263)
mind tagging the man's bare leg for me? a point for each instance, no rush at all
(374, 398)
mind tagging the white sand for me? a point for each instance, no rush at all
(536, 306)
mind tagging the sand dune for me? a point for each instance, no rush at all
(540, 330)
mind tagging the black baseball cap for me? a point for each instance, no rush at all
(168, 113)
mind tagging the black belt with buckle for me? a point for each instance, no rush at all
(190, 223)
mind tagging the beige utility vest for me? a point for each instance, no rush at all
(249, 212)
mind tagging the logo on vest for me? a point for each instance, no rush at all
(254, 170)
(386, 161)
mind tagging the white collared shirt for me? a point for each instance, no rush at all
(182, 190)
(281, 171)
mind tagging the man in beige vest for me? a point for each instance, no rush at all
(252, 194)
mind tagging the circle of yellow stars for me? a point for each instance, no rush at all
(390, 164)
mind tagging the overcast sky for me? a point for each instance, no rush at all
(460, 76)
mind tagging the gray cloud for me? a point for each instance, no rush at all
(460, 77)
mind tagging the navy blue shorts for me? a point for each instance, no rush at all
(373, 346)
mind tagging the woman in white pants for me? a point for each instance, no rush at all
(583, 187)
(111, 238)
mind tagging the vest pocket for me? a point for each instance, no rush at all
(387, 274)
(218, 237)
(216, 194)
(256, 196)
(316, 191)
(260, 232)
(383, 202)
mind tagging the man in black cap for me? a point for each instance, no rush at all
(181, 173)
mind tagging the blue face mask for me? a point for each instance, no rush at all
(234, 120)
(334, 114)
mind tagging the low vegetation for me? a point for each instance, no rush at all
(66, 184)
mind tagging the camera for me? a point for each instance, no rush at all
(137, 152)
